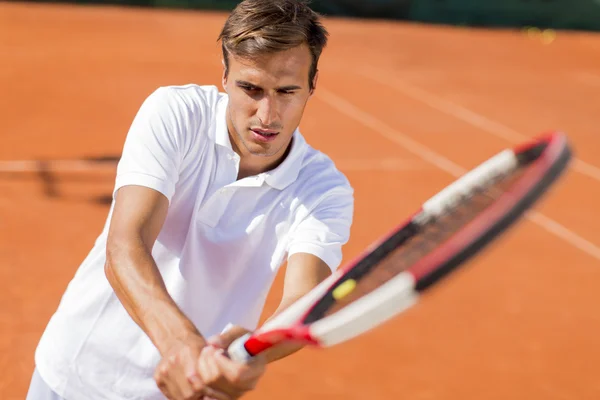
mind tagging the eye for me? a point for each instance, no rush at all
(250, 89)
(287, 92)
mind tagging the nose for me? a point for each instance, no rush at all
(267, 110)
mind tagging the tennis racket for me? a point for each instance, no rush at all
(448, 230)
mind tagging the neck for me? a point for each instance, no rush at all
(251, 164)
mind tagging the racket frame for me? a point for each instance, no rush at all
(402, 291)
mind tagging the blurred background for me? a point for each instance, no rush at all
(569, 14)
(411, 94)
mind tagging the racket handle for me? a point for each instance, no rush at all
(237, 350)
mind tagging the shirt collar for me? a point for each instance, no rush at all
(222, 134)
(285, 173)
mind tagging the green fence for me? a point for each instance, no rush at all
(565, 14)
(562, 14)
(396, 9)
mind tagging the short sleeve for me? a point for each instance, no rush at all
(326, 229)
(152, 153)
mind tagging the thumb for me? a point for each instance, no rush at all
(223, 340)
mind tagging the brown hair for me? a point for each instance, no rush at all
(267, 26)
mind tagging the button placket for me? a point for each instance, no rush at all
(213, 208)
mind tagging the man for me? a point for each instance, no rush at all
(214, 191)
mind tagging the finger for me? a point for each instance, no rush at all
(163, 381)
(179, 380)
(212, 375)
(232, 370)
(215, 341)
(226, 364)
(210, 393)
(209, 369)
(192, 374)
(223, 340)
(236, 372)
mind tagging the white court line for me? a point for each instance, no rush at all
(447, 165)
(469, 116)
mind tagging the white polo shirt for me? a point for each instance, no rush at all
(219, 250)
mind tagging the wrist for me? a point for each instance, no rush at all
(168, 329)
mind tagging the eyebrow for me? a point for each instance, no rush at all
(287, 88)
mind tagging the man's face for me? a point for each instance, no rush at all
(267, 97)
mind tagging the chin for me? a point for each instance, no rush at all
(262, 151)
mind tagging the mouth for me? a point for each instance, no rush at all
(264, 135)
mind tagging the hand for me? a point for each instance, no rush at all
(176, 374)
(224, 375)
(221, 373)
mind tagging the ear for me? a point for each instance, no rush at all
(224, 78)
(314, 83)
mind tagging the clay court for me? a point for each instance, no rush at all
(402, 109)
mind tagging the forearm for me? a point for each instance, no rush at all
(138, 284)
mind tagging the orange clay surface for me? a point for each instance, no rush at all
(400, 108)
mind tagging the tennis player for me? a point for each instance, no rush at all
(214, 192)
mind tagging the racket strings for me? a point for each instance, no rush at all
(425, 238)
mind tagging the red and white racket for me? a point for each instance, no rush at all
(448, 230)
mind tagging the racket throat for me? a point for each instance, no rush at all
(247, 346)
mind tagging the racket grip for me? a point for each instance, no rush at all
(237, 350)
